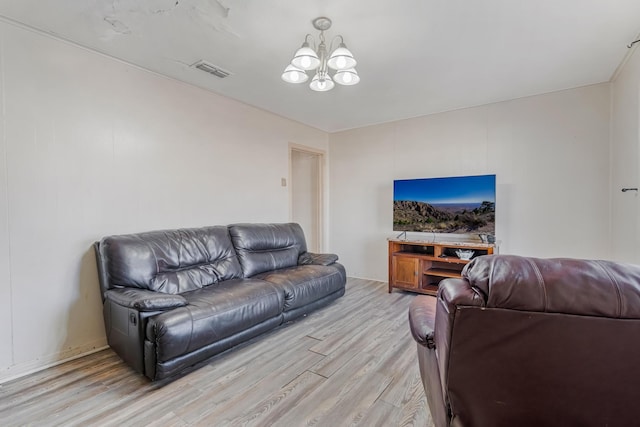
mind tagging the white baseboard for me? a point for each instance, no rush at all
(368, 278)
(22, 369)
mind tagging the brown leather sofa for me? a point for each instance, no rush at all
(173, 298)
(532, 342)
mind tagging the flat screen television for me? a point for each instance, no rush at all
(462, 204)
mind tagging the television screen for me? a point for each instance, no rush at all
(463, 204)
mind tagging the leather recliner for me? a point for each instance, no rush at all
(176, 297)
(532, 342)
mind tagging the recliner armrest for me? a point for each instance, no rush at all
(455, 292)
(308, 258)
(145, 300)
(422, 319)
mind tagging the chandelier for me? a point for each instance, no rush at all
(307, 59)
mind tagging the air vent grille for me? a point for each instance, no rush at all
(211, 69)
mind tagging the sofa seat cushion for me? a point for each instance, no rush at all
(305, 284)
(213, 313)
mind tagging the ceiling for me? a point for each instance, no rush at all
(415, 57)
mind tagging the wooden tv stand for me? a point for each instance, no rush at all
(418, 266)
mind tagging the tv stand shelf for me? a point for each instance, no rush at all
(438, 272)
(419, 266)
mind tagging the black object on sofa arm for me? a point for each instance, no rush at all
(174, 298)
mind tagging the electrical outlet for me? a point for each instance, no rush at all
(283, 182)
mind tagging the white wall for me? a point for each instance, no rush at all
(90, 146)
(550, 154)
(625, 137)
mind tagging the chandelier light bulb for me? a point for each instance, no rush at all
(305, 58)
(321, 85)
(347, 77)
(292, 74)
(341, 58)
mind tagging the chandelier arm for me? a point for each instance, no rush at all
(333, 40)
(306, 40)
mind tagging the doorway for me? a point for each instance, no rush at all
(306, 188)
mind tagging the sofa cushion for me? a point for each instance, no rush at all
(267, 247)
(305, 284)
(213, 313)
(171, 261)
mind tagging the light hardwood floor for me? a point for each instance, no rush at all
(351, 363)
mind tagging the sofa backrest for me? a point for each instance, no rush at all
(265, 247)
(169, 261)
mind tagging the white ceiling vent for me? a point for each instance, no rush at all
(211, 69)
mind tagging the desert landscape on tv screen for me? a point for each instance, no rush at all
(445, 205)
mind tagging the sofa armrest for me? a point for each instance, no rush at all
(422, 319)
(308, 258)
(144, 300)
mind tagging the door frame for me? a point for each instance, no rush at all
(321, 187)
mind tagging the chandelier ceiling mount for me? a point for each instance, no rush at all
(321, 23)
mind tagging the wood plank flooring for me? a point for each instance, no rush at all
(351, 363)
